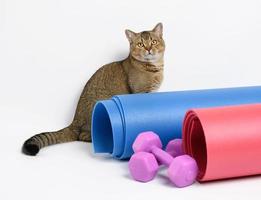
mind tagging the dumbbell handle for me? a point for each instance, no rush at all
(162, 156)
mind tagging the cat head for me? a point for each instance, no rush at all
(147, 46)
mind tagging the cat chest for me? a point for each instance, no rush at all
(152, 80)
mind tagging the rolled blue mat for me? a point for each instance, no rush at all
(117, 122)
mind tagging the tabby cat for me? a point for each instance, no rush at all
(140, 72)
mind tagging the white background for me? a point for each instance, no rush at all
(50, 48)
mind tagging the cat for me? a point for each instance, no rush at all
(140, 72)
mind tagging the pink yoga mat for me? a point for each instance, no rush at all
(225, 141)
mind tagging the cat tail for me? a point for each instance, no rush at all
(33, 145)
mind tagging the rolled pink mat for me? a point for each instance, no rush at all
(224, 141)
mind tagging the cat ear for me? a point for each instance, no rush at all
(130, 35)
(158, 29)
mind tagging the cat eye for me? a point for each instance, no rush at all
(140, 44)
(154, 42)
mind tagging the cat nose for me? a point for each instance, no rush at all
(149, 51)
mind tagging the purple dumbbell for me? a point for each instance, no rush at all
(174, 148)
(143, 165)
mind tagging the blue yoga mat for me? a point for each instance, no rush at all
(117, 122)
